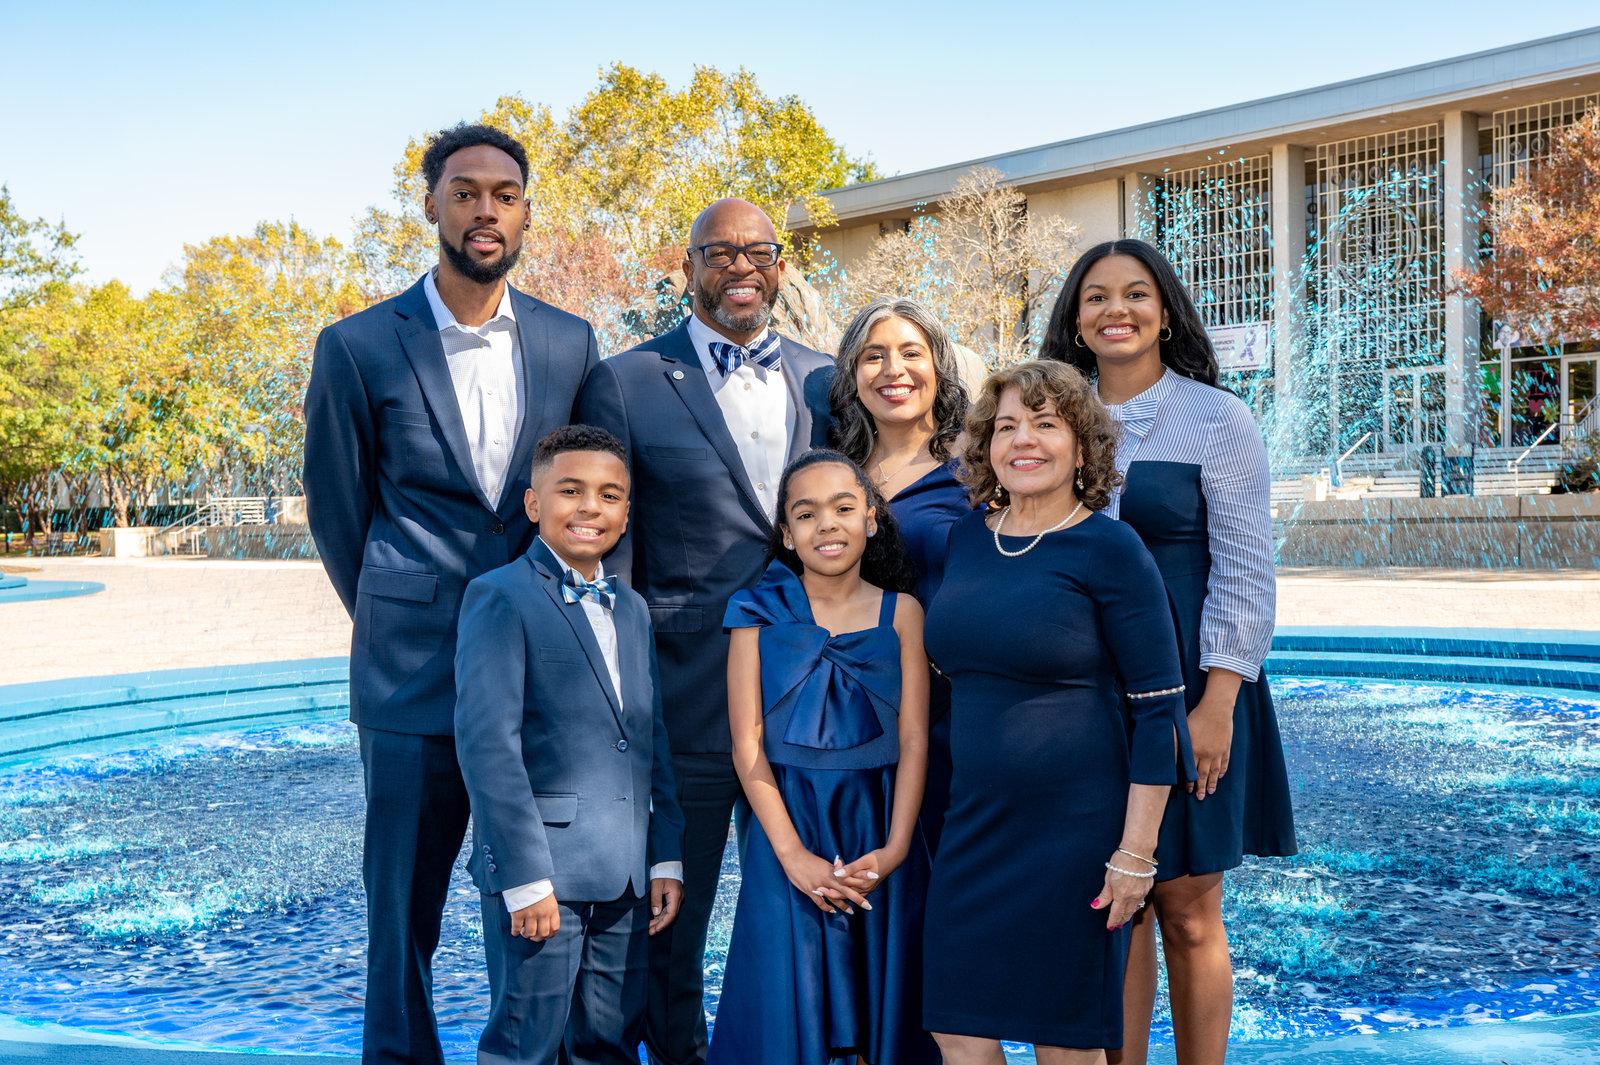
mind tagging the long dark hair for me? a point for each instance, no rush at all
(885, 563)
(852, 425)
(1188, 352)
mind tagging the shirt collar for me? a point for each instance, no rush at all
(703, 336)
(445, 320)
(1138, 414)
(599, 567)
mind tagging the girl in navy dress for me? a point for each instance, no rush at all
(827, 701)
(898, 405)
(1197, 491)
(1066, 728)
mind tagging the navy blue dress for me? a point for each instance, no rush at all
(803, 987)
(1197, 492)
(1058, 660)
(925, 511)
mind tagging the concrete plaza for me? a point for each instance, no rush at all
(173, 614)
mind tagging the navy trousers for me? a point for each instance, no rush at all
(578, 998)
(416, 819)
(675, 1029)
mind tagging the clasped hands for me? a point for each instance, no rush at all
(834, 886)
(543, 919)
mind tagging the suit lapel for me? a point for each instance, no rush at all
(575, 617)
(800, 438)
(687, 377)
(533, 337)
(419, 337)
(633, 650)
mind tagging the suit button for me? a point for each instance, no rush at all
(492, 869)
(499, 529)
(622, 745)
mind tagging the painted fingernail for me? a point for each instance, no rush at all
(865, 905)
(838, 872)
(1094, 903)
(819, 892)
(872, 875)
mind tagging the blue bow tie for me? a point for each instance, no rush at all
(602, 591)
(731, 356)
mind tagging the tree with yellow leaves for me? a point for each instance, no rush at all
(617, 182)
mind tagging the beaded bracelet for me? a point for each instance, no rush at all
(1156, 694)
(1129, 872)
(1151, 862)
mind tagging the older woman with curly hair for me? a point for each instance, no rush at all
(1067, 730)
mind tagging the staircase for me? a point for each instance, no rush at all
(183, 537)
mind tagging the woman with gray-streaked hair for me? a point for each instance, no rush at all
(898, 406)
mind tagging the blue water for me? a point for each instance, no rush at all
(209, 890)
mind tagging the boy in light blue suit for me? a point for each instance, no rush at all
(577, 844)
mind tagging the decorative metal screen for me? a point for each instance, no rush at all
(1378, 284)
(1215, 223)
(1522, 134)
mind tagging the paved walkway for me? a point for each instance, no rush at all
(1563, 1041)
(171, 614)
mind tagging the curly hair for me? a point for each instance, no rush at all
(447, 142)
(1188, 350)
(885, 563)
(1042, 382)
(852, 425)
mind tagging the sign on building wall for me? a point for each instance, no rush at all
(1243, 347)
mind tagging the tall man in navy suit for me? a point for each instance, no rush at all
(421, 418)
(710, 414)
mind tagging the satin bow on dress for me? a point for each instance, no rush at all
(833, 690)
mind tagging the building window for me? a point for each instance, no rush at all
(1522, 135)
(1214, 223)
(1377, 266)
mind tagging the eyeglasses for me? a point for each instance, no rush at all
(760, 255)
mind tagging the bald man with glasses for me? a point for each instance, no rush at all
(710, 414)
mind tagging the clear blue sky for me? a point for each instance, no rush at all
(147, 126)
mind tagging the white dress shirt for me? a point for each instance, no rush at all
(605, 634)
(755, 405)
(485, 365)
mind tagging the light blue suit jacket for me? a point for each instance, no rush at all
(568, 782)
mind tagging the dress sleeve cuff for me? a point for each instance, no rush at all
(1250, 671)
(520, 898)
(1153, 754)
(667, 871)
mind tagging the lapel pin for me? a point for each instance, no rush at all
(677, 375)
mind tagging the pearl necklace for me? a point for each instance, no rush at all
(1000, 523)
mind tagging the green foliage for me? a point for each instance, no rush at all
(629, 167)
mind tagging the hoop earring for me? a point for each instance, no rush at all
(1168, 330)
(1077, 338)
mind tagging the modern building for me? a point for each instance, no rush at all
(1319, 231)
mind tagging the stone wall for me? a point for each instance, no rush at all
(1489, 532)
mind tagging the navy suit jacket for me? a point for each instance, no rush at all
(394, 505)
(698, 532)
(567, 782)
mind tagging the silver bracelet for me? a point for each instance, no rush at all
(1156, 694)
(1129, 872)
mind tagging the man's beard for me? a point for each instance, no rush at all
(478, 272)
(739, 323)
